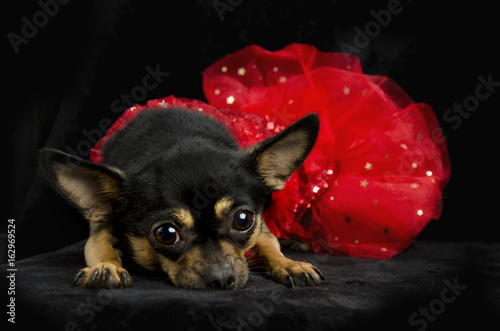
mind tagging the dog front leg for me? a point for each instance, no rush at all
(104, 265)
(281, 269)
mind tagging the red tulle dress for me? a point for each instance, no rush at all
(374, 178)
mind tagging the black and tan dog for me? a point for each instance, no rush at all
(175, 192)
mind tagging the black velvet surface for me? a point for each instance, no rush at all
(358, 293)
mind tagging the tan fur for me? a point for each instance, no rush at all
(281, 267)
(188, 271)
(222, 207)
(184, 216)
(259, 227)
(100, 255)
(170, 267)
(190, 263)
(237, 258)
(143, 253)
(99, 247)
(114, 278)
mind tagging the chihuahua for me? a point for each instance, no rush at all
(175, 193)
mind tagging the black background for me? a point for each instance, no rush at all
(65, 78)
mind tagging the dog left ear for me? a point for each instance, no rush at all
(276, 158)
(92, 187)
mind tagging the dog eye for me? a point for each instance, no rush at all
(166, 234)
(243, 220)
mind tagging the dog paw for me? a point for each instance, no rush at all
(294, 273)
(103, 275)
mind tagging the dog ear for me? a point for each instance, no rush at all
(276, 158)
(93, 188)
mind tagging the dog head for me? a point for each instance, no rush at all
(193, 212)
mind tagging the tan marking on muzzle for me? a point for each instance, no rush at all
(143, 253)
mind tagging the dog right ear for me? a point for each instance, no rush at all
(276, 158)
(92, 187)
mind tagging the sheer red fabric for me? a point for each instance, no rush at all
(375, 176)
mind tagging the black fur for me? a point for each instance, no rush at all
(178, 158)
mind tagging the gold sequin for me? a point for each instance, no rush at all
(230, 100)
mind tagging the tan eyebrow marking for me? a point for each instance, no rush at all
(222, 206)
(184, 217)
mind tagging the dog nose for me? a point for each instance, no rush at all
(220, 277)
